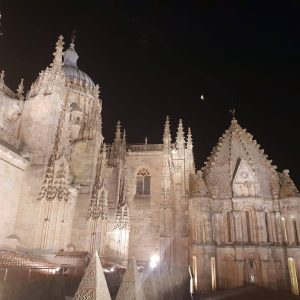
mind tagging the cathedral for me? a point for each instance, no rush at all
(65, 193)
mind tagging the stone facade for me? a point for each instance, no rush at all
(244, 217)
(63, 189)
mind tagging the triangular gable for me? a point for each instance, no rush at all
(244, 183)
(244, 173)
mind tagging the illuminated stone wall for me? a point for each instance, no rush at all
(12, 171)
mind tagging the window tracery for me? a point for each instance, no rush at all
(143, 182)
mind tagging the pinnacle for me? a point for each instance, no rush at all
(124, 137)
(180, 140)
(58, 54)
(20, 90)
(288, 188)
(189, 142)
(118, 132)
(167, 134)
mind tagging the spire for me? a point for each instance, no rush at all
(167, 134)
(93, 284)
(131, 286)
(118, 133)
(71, 56)
(123, 142)
(58, 54)
(124, 137)
(189, 143)
(180, 141)
(20, 90)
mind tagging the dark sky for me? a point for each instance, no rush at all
(153, 58)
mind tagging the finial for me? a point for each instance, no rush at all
(20, 90)
(180, 141)
(146, 140)
(189, 142)
(180, 133)
(73, 38)
(2, 75)
(167, 134)
(124, 137)
(70, 55)
(167, 125)
(232, 111)
(118, 132)
(58, 54)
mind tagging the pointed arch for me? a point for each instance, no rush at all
(295, 231)
(252, 265)
(284, 230)
(250, 224)
(143, 179)
(267, 226)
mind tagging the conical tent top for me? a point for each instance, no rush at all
(131, 287)
(93, 285)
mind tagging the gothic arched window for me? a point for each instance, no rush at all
(248, 227)
(267, 226)
(228, 216)
(295, 230)
(143, 182)
(283, 224)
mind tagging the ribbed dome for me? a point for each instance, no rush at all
(70, 68)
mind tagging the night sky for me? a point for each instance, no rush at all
(153, 58)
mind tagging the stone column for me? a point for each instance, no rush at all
(238, 226)
(261, 227)
(278, 225)
(241, 272)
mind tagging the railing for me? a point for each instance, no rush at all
(146, 147)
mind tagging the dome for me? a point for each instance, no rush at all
(73, 72)
(70, 68)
